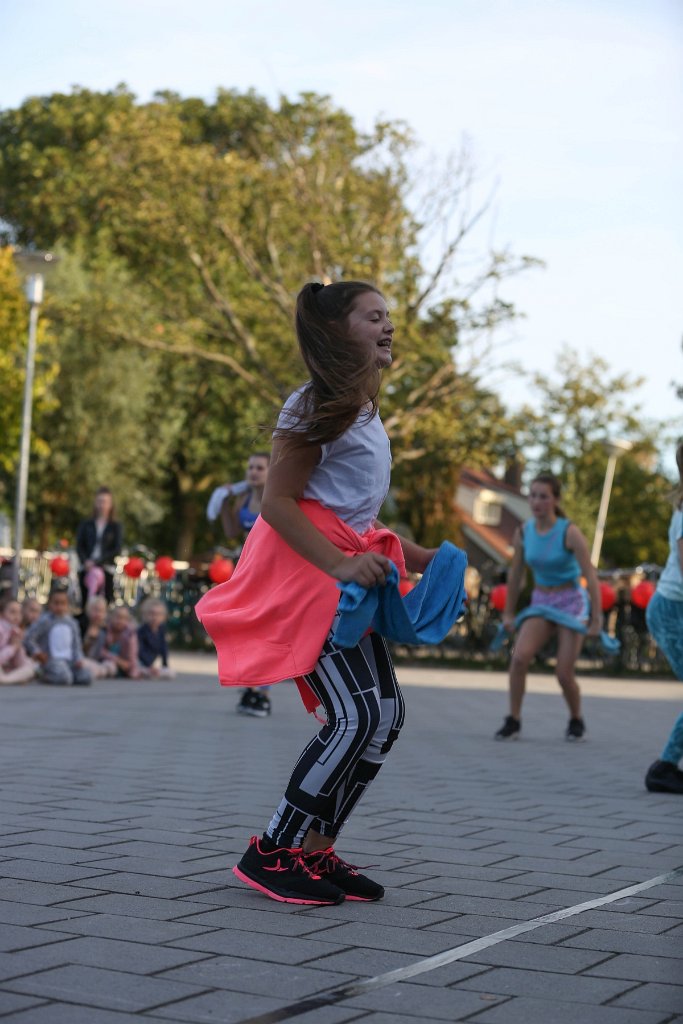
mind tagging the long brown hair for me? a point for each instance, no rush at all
(551, 481)
(344, 374)
(677, 496)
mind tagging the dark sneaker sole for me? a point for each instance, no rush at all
(283, 896)
(366, 899)
(252, 714)
(575, 739)
(502, 739)
(657, 787)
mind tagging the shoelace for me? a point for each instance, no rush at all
(297, 863)
(325, 862)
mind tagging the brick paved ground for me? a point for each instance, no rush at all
(125, 805)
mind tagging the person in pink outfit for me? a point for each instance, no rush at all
(121, 644)
(15, 664)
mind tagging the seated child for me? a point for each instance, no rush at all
(152, 640)
(31, 610)
(55, 642)
(121, 642)
(100, 664)
(15, 664)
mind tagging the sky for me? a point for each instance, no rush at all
(572, 111)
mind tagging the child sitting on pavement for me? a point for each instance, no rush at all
(54, 641)
(15, 664)
(152, 642)
(121, 644)
(31, 610)
(94, 622)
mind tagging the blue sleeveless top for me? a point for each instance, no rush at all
(246, 517)
(547, 556)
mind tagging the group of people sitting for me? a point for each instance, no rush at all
(48, 643)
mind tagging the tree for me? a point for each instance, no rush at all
(578, 409)
(13, 339)
(213, 215)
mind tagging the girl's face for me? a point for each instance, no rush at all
(155, 616)
(32, 610)
(369, 323)
(119, 619)
(541, 501)
(257, 471)
(12, 613)
(97, 613)
(103, 505)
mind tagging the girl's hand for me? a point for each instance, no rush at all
(509, 623)
(368, 569)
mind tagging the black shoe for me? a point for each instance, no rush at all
(283, 875)
(263, 705)
(251, 703)
(510, 729)
(328, 865)
(664, 777)
(576, 730)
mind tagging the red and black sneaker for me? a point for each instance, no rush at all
(328, 865)
(284, 875)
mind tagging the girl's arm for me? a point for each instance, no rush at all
(679, 544)
(416, 557)
(288, 475)
(576, 542)
(514, 583)
(228, 516)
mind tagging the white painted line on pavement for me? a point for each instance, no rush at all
(449, 956)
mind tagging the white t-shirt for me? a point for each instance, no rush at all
(353, 474)
(61, 639)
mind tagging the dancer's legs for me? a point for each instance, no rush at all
(359, 693)
(569, 644)
(533, 635)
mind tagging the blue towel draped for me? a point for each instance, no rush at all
(424, 616)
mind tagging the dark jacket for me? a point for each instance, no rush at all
(86, 538)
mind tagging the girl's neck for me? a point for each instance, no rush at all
(545, 524)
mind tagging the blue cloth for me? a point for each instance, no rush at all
(423, 616)
(551, 561)
(664, 619)
(610, 644)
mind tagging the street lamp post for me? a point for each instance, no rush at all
(34, 288)
(615, 449)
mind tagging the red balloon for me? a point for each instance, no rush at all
(405, 586)
(164, 567)
(498, 595)
(608, 596)
(220, 570)
(60, 566)
(133, 567)
(641, 594)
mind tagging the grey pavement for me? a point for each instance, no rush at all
(124, 807)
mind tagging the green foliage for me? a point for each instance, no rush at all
(579, 409)
(191, 226)
(13, 341)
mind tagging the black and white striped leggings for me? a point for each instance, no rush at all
(362, 700)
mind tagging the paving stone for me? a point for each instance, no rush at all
(639, 968)
(11, 1003)
(441, 1004)
(542, 1011)
(120, 955)
(512, 981)
(40, 893)
(115, 990)
(530, 955)
(113, 926)
(628, 942)
(244, 943)
(68, 1013)
(29, 914)
(653, 997)
(235, 974)
(16, 937)
(606, 917)
(135, 906)
(41, 871)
